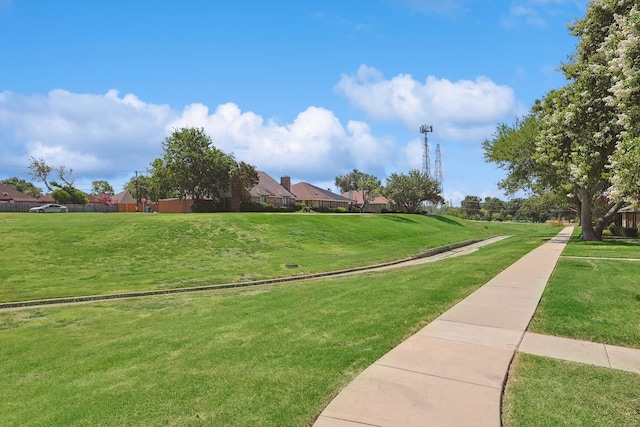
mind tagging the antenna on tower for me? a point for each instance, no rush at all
(426, 168)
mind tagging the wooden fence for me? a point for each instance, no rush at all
(24, 207)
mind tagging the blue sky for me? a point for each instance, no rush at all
(309, 89)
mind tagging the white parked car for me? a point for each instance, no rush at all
(49, 207)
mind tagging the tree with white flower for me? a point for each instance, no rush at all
(583, 140)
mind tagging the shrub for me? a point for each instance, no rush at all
(203, 206)
(251, 206)
(618, 230)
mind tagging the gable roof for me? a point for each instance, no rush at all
(91, 199)
(306, 191)
(123, 197)
(268, 186)
(8, 194)
(629, 208)
(357, 197)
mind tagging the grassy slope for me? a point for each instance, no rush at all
(261, 356)
(47, 256)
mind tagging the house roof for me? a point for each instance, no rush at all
(8, 194)
(95, 200)
(268, 186)
(123, 197)
(629, 209)
(357, 196)
(306, 191)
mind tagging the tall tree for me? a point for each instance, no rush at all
(40, 170)
(471, 207)
(150, 187)
(493, 209)
(585, 130)
(62, 191)
(67, 194)
(193, 167)
(368, 186)
(243, 177)
(22, 186)
(412, 189)
(622, 50)
(101, 187)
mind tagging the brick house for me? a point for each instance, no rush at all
(10, 195)
(377, 205)
(272, 192)
(316, 197)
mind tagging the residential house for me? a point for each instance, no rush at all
(272, 192)
(316, 197)
(11, 195)
(91, 199)
(630, 217)
(12, 200)
(125, 201)
(377, 205)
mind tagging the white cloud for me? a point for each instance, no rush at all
(537, 13)
(461, 110)
(520, 13)
(107, 136)
(92, 134)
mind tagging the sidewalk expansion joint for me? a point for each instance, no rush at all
(438, 376)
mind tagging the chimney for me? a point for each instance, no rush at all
(285, 181)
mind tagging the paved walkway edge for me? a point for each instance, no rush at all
(591, 353)
(453, 371)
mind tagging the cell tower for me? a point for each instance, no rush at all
(426, 162)
(438, 173)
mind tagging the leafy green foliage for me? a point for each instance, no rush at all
(22, 186)
(581, 141)
(40, 171)
(412, 189)
(193, 167)
(68, 194)
(101, 187)
(513, 148)
(366, 184)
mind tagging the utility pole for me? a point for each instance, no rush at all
(137, 193)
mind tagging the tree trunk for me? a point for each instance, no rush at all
(586, 203)
(605, 220)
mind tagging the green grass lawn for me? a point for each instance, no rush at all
(269, 355)
(589, 299)
(47, 256)
(609, 247)
(548, 393)
(592, 300)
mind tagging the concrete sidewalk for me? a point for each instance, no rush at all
(451, 372)
(590, 353)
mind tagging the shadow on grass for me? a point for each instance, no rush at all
(447, 220)
(400, 218)
(608, 241)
